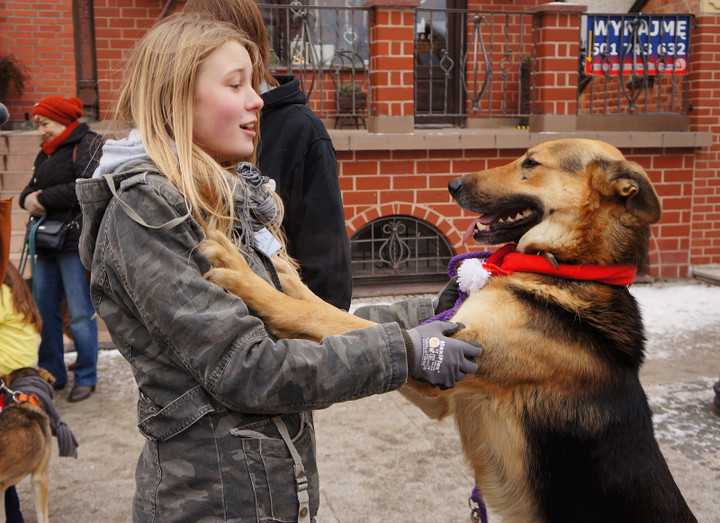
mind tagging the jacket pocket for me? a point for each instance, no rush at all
(160, 423)
(281, 489)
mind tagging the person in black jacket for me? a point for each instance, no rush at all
(70, 150)
(296, 151)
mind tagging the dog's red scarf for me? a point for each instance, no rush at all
(507, 260)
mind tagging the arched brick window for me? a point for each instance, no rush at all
(401, 249)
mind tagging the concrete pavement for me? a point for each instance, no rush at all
(381, 459)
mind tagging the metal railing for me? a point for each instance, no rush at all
(473, 64)
(314, 43)
(474, 67)
(633, 64)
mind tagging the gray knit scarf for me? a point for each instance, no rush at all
(254, 204)
(67, 444)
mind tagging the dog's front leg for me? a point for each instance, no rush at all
(286, 316)
(427, 398)
(291, 283)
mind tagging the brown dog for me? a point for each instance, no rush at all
(25, 440)
(555, 423)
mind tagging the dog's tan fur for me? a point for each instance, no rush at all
(561, 357)
(26, 443)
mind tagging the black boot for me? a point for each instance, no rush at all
(716, 400)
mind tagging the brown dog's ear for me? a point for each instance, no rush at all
(631, 183)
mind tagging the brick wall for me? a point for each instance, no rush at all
(39, 34)
(118, 25)
(391, 61)
(409, 174)
(557, 51)
(704, 95)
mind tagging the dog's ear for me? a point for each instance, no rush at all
(629, 181)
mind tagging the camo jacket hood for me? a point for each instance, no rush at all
(206, 368)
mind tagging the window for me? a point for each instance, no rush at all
(401, 248)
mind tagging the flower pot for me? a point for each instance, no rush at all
(351, 102)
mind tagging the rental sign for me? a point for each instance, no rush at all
(658, 43)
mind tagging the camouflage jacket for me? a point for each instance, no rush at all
(208, 372)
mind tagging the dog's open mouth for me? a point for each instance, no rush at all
(505, 225)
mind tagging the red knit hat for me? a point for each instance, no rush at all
(59, 109)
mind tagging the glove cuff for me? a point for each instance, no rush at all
(409, 350)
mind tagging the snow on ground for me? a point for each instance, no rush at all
(676, 313)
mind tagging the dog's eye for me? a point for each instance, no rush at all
(529, 163)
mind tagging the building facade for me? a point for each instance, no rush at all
(442, 88)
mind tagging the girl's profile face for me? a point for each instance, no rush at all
(225, 105)
(49, 129)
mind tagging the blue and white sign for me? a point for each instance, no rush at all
(658, 43)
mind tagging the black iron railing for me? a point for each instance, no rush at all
(472, 64)
(327, 48)
(476, 68)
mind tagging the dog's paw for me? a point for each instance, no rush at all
(214, 252)
(225, 278)
(221, 251)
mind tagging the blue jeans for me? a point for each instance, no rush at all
(54, 276)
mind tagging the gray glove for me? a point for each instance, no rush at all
(437, 359)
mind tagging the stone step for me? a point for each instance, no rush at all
(18, 162)
(709, 273)
(20, 142)
(14, 180)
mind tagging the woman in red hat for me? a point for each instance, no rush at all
(70, 150)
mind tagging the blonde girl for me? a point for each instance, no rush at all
(225, 408)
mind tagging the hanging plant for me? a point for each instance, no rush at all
(11, 71)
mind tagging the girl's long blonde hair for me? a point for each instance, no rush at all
(157, 99)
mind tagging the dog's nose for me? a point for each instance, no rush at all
(454, 186)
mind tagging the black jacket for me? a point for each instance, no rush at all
(56, 173)
(296, 151)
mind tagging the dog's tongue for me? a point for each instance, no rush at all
(484, 219)
(487, 218)
(470, 231)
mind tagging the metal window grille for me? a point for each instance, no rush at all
(401, 248)
(473, 64)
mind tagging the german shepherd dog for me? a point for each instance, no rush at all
(25, 442)
(555, 423)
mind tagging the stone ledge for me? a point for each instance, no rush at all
(362, 140)
(709, 273)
